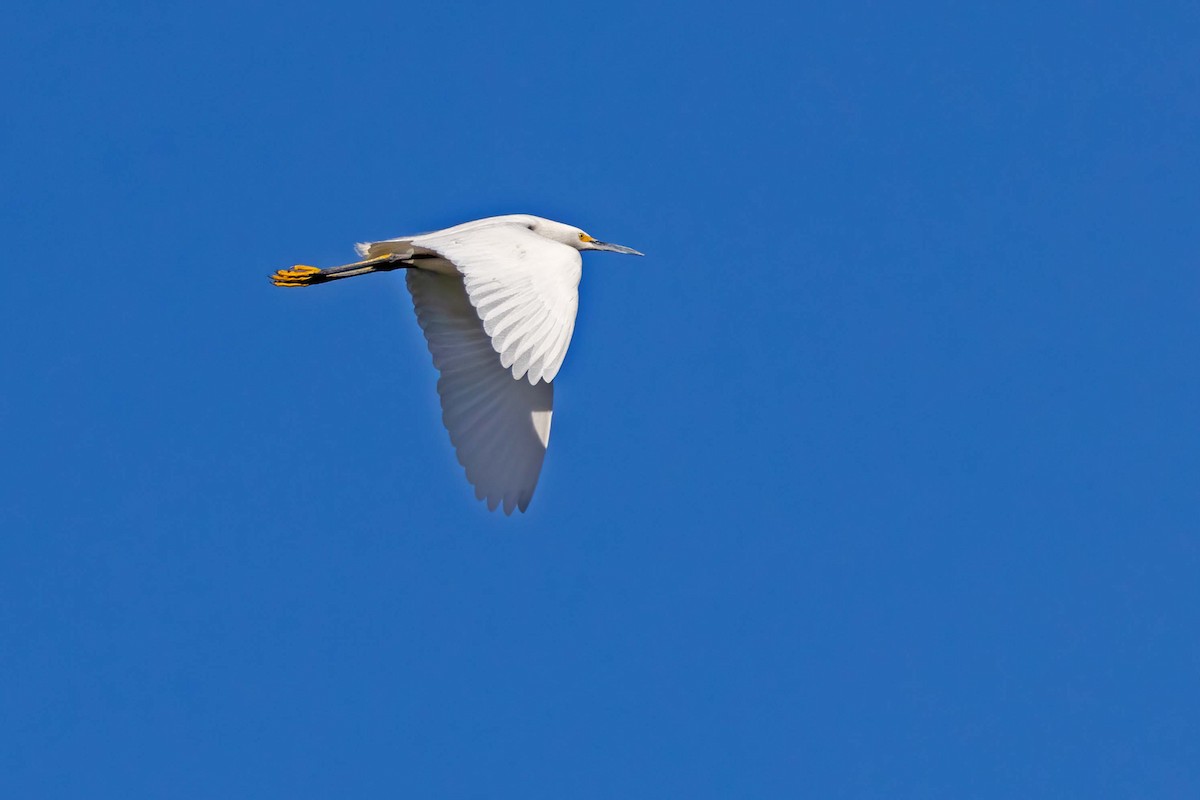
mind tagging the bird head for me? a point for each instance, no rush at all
(574, 237)
(588, 243)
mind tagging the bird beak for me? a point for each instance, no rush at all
(614, 248)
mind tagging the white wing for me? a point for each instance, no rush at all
(525, 288)
(499, 426)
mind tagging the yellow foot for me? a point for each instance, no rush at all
(299, 275)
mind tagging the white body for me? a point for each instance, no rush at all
(496, 300)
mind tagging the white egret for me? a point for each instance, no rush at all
(496, 300)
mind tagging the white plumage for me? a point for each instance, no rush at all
(496, 299)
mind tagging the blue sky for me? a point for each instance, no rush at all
(877, 477)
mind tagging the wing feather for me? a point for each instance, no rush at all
(498, 422)
(523, 286)
(542, 339)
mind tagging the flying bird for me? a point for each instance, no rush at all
(496, 300)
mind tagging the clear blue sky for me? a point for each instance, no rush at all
(878, 477)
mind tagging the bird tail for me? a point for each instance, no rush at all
(401, 248)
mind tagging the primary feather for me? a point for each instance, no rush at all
(499, 426)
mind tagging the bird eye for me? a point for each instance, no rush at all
(583, 237)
